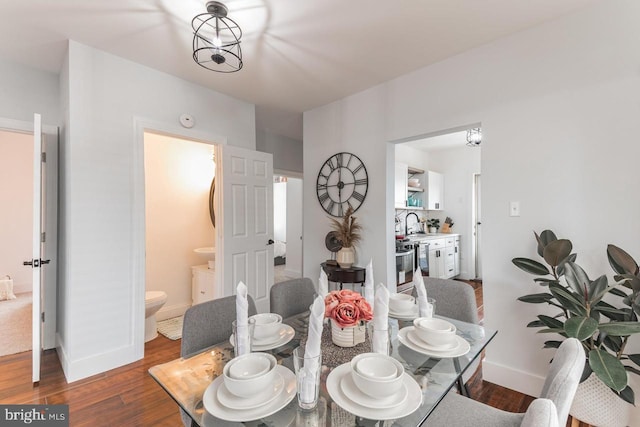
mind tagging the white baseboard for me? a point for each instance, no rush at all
(172, 311)
(514, 379)
(88, 366)
(21, 289)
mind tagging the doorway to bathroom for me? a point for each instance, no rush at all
(178, 177)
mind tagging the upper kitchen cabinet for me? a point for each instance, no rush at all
(400, 185)
(435, 191)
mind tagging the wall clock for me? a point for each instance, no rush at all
(342, 183)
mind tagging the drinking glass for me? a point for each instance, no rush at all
(315, 417)
(307, 377)
(375, 331)
(240, 348)
(432, 302)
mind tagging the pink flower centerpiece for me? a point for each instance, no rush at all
(348, 310)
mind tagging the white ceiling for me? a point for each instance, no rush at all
(298, 54)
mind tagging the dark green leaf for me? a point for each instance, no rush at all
(627, 395)
(628, 281)
(632, 369)
(551, 322)
(531, 266)
(544, 239)
(610, 311)
(568, 300)
(560, 269)
(535, 324)
(598, 288)
(612, 343)
(617, 292)
(620, 329)
(536, 298)
(544, 281)
(557, 251)
(553, 331)
(620, 261)
(576, 278)
(609, 369)
(581, 327)
(552, 344)
(635, 358)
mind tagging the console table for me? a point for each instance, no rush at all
(341, 276)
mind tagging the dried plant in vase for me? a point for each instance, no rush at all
(348, 232)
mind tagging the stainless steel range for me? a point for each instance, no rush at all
(405, 264)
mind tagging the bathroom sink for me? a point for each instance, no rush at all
(208, 253)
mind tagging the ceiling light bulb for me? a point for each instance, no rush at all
(216, 41)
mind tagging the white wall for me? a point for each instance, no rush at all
(97, 226)
(287, 152)
(16, 214)
(26, 91)
(178, 176)
(294, 227)
(458, 165)
(280, 211)
(558, 119)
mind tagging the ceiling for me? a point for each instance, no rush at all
(298, 54)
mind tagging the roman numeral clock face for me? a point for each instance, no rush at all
(342, 183)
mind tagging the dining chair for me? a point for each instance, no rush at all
(551, 409)
(292, 296)
(455, 300)
(207, 324)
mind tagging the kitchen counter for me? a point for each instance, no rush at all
(425, 236)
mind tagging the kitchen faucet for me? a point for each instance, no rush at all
(406, 222)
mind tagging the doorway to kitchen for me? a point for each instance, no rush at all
(437, 201)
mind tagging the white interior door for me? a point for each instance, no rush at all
(37, 248)
(246, 235)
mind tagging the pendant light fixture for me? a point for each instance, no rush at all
(216, 40)
(474, 137)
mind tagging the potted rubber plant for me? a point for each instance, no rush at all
(580, 310)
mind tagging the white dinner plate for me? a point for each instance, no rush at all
(413, 401)
(415, 338)
(461, 349)
(285, 335)
(351, 390)
(213, 405)
(263, 397)
(405, 315)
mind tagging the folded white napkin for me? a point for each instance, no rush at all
(242, 320)
(381, 320)
(368, 284)
(312, 349)
(323, 284)
(425, 309)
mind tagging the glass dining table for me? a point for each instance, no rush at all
(186, 379)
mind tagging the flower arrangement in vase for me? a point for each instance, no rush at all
(348, 232)
(348, 311)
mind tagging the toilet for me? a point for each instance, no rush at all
(153, 301)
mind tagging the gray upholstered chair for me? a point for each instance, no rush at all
(456, 300)
(551, 409)
(207, 324)
(292, 296)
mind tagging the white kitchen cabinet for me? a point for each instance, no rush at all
(444, 255)
(456, 260)
(435, 191)
(400, 185)
(203, 284)
(437, 258)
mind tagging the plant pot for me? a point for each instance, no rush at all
(595, 404)
(346, 257)
(349, 336)
(433, 230)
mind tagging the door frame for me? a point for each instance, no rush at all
(476, 255)
(138, 235)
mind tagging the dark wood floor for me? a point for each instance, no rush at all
(128, 396)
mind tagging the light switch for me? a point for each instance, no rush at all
(514, 208)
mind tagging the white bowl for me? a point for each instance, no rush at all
(435, 332)
(267, 325)
(401, 303)
(413, 182)
(376, 366)
(256, 378)
(377, 387)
